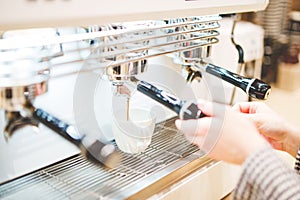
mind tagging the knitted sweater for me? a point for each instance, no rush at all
(266, 177)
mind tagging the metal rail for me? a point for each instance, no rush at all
(25, 58)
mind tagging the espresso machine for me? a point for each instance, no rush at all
(66, 65)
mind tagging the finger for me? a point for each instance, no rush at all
(251, 107)
(191, 131)
(188, 127)
(192, 126)
(247, 110)
(205, 107)
(243, 107)
(201, 102)
(212, 108)
(200, 132)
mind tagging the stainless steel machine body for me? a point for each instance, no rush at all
(43, 66)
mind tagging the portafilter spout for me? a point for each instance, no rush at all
(24, 75)
(123, 76)
(15, 121)
(14, 100)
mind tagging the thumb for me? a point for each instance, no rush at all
(205, 106)
(199, 132)
(188, 127)
(190, 130)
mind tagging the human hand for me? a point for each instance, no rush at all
(223, 134)
(277, 131)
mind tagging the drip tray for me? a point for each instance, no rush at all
(169, 155)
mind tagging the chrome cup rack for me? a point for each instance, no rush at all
(121, 44)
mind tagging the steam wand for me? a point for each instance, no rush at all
(252, 86)
(241, 61)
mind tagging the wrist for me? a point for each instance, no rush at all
(292, 143)
(256, 142)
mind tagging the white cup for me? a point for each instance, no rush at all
(133, 135)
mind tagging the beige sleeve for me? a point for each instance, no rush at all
(266, 177)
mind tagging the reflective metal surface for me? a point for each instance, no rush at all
(32, 57)
(14, 98)
(110, 48)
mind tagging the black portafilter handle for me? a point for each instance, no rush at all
(252, 86)
(57, 125)
(96, 151)
(184, 109)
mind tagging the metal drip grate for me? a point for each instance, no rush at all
(76, 178)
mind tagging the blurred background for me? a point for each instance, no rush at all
(280, 65)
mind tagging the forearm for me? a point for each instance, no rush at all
(266, 176)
